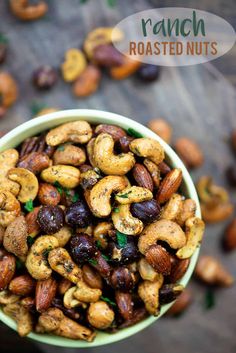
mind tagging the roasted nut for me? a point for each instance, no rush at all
(63, 286)
(45, 111)
(231, 175)
(102, 266)
(164, 168)
(60, 261)
(89, 178)
(147, 211)
(23, 285)
(169, 185)
(133, 194)
(194, 229)
(211, 271)
(172, 208)
(22, 317)
(146, 271)
(3, 49)
(229, 240)
(148, 72)
(35, 162)
(189, 151)
(36, 261)
(8, 160)
(169, 292)
(32, 224)
(50, 219)
(87, 83)
(66, 175)
(219, 213)
(139, 314)
(123, 255)
(63, 235)
(44, 77)
(76, 131)
(159, 259)
(72, 313)
(142, 176)
(127, 68)
(15, 237)
(28, 303)
(148, 148)
(154, 171)
(78, 215)
(86, 294)
(106, 55)
(187, 210)
(178, 269)
(124, 222)
(162, 128)
(69, 300)
(9, 208)
(149, 293)
(124, 142)
(44, 294)
(74, 64)
(48, 194)
(8, 90)
(82, 248)
(211, 194)
(7, 268)
(107, 161)
(163, 230)
(69, 154)
(2, 231)
(36, 144)
(91, 277)
(99, 199)
(100, 315)
(100, 233)
(115, 131)
(122, 279)
(181, 303)
(28, 183)
(90, 152)
(6, 297)
(125, 304)
(26, 12)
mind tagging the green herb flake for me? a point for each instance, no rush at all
(209, 300)
(30, 240)
(3, 39)
(106, 257)
(36, 108)
(125, 196)
(59, 187)
(134, 133)
(93, 262)
(29, 206)
(121, 239)
(116, 210)
(61, 148)
(19, 264)
(107, 300)
(46, 252)
(111, 3)
(75, 197)
(99, 244)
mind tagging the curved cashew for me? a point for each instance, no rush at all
(22, 10)
(107, 161)
(69, 154)
(28, 182)
(22, 317)
(99, 198)
(218, 213)
(146, 271)
(100, 315)
(163, 230)
(148, 148)
(124, 222)
(63, 236)
(133, 194)
(8, 160)
(9, 208)
(8, 90)
(66, 175)
(36, 261)
(172, 208)
(69, 300)
(210, 193)
(90, 152)
(187, 210)
(7, 297)
(76, 131)
(101, 231)
(194, 232)
(60, 261)
(15, 237)
(86, 294)
(149, 293)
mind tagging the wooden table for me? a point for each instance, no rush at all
(197, 101)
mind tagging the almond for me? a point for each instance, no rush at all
(31, 220)
(125, 304)
(169, 185)
(161, 128)
(115, 131)
(22, 285)
(142, 176)
(178, 269)
(181, 303)
(164, 168)
(230, 236)
(189, 151)
(45, 293)
(35, 162)
(7, 268)
(48, 194)
(159, 259)
(63, 286)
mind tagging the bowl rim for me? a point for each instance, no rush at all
(39, 124)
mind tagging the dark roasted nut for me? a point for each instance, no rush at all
(44, 77)
(92, 277)
(162, 128)
(159, 259)
(89, 179)
(71, 313)
(182, 303)
(123, 255)
(35, 162)
(32, 224)
(48, 194)
(147, 211)
(124, 142)
(2, 231)
(101, 265)
(142, 176)
(7, 268)
(50, 219)
(231, 175)
(87, 83)
(68, 197)
(22, 285)
(84, 168)
(170, 292)
(164, 168)
(82, 248)
(122, 279)
(178, 269)
(45, 292)
(148, 72)
(28, 303)
(169, 185)
(138, 315)
(36, 144)
(115, 131)
(106, 55)
(125, 304)
(3, 50)
(189, 151)
(229, 240)
(63, 286)
(78, 215)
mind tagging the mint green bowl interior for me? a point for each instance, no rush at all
(36, 126)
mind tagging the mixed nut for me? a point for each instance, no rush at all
(94, 229)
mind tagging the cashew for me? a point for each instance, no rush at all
(187, 210)
(60, 261)
(36, 261)
(69, 300)
(172, 208)
(9, 208)
(153, 170)
(194, 232)
(146, 271)
(8, 160)
(124, 222)
(76, 131)
(210, 193)
(149, 293)
(218, 213)
(86, 294)
(100, 315)
(90, 152)
(22, 317)
(7, 297)
(107, 161)
(67, 176)
(148, 148)
(63, 236)
(28, 183)
(74, 64)
(87, 230)
(15, 237)
(8, 90)
(163, 230)
(69, 154)
(50, 319)
(100, 232)
(22, 10)
(133, 194)
(101, 193)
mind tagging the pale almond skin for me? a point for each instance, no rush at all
(45, 292)
(169, 185)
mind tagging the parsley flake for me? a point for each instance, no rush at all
(75, 197)
(36, 108)
(3, 39)
(111, 3)
(46, 252)
(209, 301)
(125, 196)
(121, 239)
(106, 257)
(19, 264)
(134, 133)
(107, 300)
(59, 187)
(116, 210)
(30, 240)
(93, 262)
(61, 148)
(29, 206)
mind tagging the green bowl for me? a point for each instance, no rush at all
(36, 126)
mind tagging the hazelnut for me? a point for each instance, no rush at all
(78, 215)
(100, 315)
(82, 248)
(50, 219)
(148, 72)
(48, 194)
(44, 77)
(122, 279)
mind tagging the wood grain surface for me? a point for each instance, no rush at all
(198, 101)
